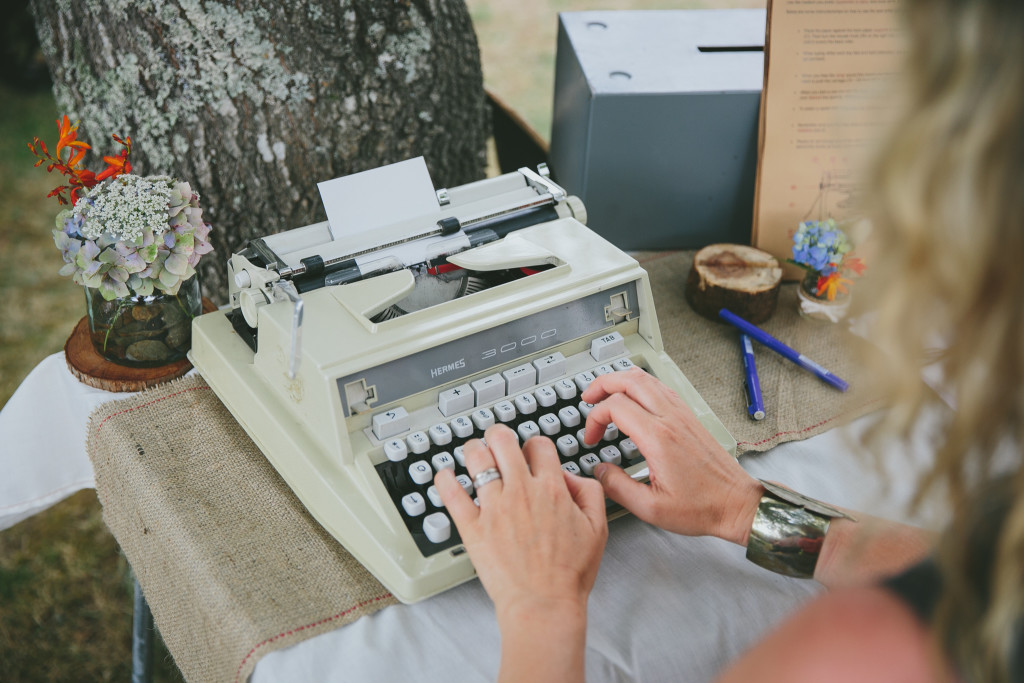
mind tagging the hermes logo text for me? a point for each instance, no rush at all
(457, 365)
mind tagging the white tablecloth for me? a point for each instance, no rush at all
(664, 607)
(42, 440)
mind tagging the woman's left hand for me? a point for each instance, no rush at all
(537, 537)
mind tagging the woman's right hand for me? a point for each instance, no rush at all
(696, 488)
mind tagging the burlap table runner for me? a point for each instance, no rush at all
(231, 563)
(234, 567)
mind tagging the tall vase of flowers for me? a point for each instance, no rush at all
(824, 251)
(133, 243)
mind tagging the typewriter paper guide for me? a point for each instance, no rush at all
(512, 252)
(363, 202)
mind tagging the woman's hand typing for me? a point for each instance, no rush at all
(536, 541)
(696, 488)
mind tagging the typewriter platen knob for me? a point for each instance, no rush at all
(249, 301)
(576, 206)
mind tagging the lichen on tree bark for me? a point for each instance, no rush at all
(254, 102)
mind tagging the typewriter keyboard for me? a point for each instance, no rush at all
(550, 407)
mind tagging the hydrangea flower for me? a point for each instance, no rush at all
(133, 235)
(820, 246)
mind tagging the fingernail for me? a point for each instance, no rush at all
(600, 470)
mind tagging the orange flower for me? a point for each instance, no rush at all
(855, 264)
(830, 285)
(115, 166)
(67, 135)
(79, 179)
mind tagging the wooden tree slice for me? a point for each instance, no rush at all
(743, 279)
(86, 364)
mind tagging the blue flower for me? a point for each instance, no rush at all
(818, 257)
(820, 246)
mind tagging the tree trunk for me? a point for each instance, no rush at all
(254, 101)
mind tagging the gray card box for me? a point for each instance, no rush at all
(655, 123)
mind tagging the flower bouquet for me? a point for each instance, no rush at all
(133, 243)
(823, 249)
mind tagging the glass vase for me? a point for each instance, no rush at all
(816, 307)
(144, 331)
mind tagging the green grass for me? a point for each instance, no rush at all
(64, 597)
(36, 305)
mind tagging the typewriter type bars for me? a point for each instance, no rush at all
(357, 411)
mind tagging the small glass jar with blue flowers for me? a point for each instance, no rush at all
(823, 249)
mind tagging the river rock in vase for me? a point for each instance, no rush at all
(144, 331)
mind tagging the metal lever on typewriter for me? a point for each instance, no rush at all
(542, 183)
(286, 289)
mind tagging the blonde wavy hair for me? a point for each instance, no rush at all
(946, 197)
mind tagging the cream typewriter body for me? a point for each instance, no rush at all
(360, 366)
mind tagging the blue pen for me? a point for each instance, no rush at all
(778, 347)
(755, 404)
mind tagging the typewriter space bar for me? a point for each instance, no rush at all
(613, 509)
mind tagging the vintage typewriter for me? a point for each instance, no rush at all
(360, 363)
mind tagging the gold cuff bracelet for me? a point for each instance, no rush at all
(788, 531)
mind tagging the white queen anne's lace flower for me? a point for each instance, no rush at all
(127, 208)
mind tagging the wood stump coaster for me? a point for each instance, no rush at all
(89, 367)
(743, 279)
